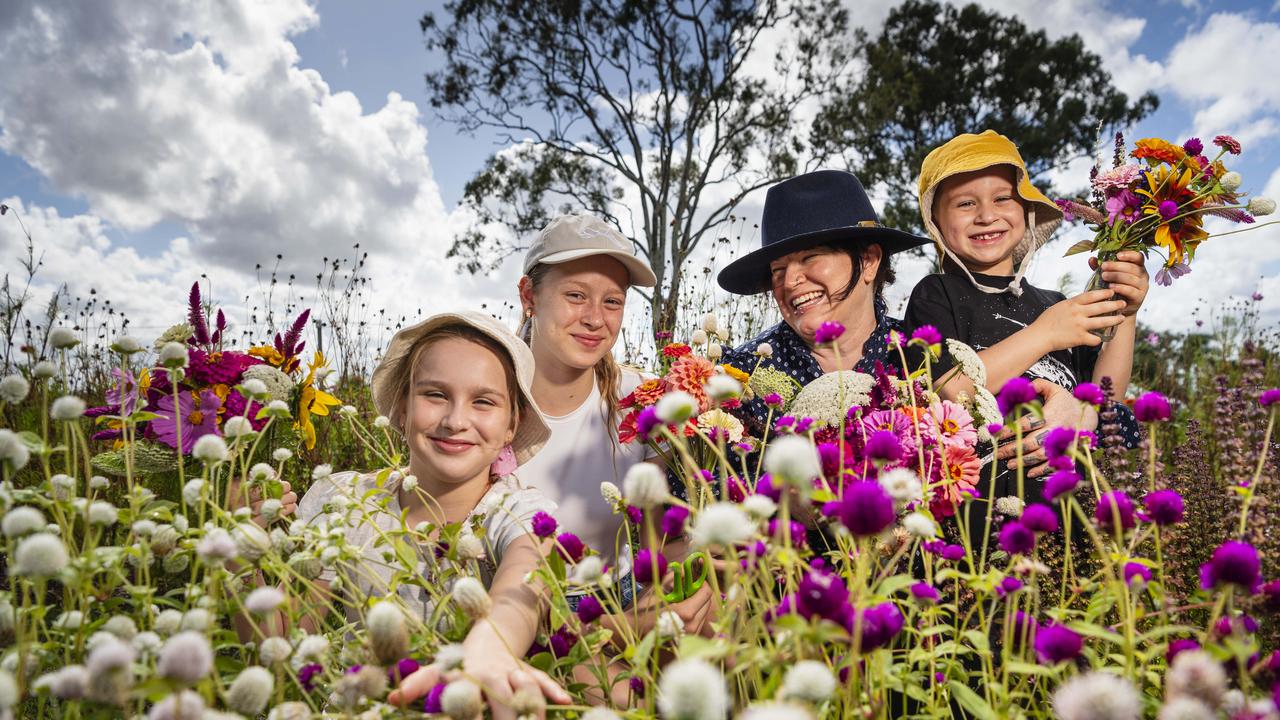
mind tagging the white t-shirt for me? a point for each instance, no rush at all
(583, 452)
(505, 512)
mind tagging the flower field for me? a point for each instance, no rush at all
(860, 563)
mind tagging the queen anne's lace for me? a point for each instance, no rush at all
(970, 364)
(820, 399)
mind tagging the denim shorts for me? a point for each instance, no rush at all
(628, 588)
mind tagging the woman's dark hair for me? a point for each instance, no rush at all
(884, 275)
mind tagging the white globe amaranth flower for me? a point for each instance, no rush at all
(274, 650)
(44, 370)
(63, 338)
(764, 350)
(185, 657)
(271, 508)
(126, 345)
(67, 408)
(776, 711)
(382, 422)
(792, 459)
(13, 451)
(1231, 181)
(715, 351)
(469, 547)
(8, 691)
(1195, 674)
(760, 507)
(723, 387)
(903, 485)
(98, 482)
(920, 525)
(22, 520)
(281, 454)
(252, 542)
(1097, 695)
(278, 409)
(610, 493)
(254, 388)
(409, 483)
(675, 407)
(449, 657)
(264, 600)
(216, 547)
(251, 690)
(810, 681)
(278, 385)
(122, 626)
(698, 338)
(1186, 708)
(966, 358)
(40, 555)
(168, 622)
(146, 643)
(312, 648)
(692, 690)
(69, 620)
(587, 571)
(600, 714)
(68, 683)
(193, 491)
(292, 710)
(348, 411)
(210, 449)
(178, 706)
(237, 426)
(14, 389)
(645, 485)
(723, 524)
(461, 700)
(143, 528)
(196, 619)
(321, 472)
(174, 355)
(1261, 206)
(388, 632)
(1010, 505)
(821, 399)
(669, 625)
(710, 323)
(103, 513)
(471, 597)
(109, 674)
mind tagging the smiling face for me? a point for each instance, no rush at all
(981, 218)
(460, 412)
(813, 286)
(577, 310)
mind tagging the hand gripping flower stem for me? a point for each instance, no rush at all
(1257, 473)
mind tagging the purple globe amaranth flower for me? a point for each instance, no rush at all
(1008, 585)
(1271, 596)
(864, 507)
(1164, 507)
(403, 668)
(1152, 407)
(673, 520)
(828, 332)
(1269, 397)
(634, 514)
(1233, 563)
(767, 487)
(928, 334)
(1061, 483)
(1112, 507)
(943, 550)
(1016, 391)
(307, 675)
(570, 546)
(643, 566)
(1177, 647)
(925, 593)
(646, 421)
(561, 641)
(821, 594)
(543, 525)
(884, 446)
(1024, 624)
(1039, 518)
(589, 609)
(773, 400)
(1193, 146)
(877, 625)
(1136, 570)
(1168, 210)
(1057, 643)
(1017, 539)
(431, 704)
(799, 535)
(1089, 393)
(1058, 441)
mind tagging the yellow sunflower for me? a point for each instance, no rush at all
(313, 401)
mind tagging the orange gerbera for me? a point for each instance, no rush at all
(1181, 233)
(1158, 150)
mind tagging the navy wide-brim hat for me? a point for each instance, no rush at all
(825, 207)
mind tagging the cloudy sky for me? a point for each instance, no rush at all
(147, 145)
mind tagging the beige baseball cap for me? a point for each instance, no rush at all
(569, 237)
(532, 432)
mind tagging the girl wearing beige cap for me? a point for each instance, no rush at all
(457, 387)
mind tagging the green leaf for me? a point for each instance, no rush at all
(1021, 668)
(1082, 246)
(970, 701)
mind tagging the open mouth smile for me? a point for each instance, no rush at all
(807, 300)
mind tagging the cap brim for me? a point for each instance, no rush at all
(749, 274)
(640, 273)
(532, 432)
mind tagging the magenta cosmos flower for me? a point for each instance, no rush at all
(197, 415)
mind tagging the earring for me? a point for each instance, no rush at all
(528, 312)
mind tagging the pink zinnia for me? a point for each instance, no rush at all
(1116, 179)
(961, 468)
(1228, 143)
(198, 416)
(955, 424)
(894, 421)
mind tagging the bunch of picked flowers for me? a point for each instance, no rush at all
(1159, 202)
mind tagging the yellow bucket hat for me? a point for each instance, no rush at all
(967, 153)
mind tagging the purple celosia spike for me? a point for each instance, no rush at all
(291, 338)
(195, 315)
(1232, 214)
(219, 326)
(279, 344)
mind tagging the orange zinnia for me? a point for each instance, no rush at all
(1159, 150)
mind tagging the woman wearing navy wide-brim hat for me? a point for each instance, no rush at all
(825, 257)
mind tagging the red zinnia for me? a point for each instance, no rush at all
(675, 350)
(1228, 143)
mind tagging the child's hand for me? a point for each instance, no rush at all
(1068, 323)
(1128, 277)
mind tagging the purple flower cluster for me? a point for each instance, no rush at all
(927, 334)
(1233, 563)
(644, 565)
(570, 546)
(1089, 393)
(925, 593)
(543, 525)
(944, 550)
(1016, 391)
(1057, 643)
(1114, 507)
(828, 332)
(589, 609)
(864, 508)
(1039, 518)
(1062, 482)
(1017, 539)
(1164, 507)
(1152, 407)
(1269, 397)
(876, 625)
(883, 446)
(673, 520)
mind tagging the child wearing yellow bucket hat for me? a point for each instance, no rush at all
(987, 221)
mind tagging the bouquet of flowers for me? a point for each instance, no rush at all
(1159, 202)
(199, 386)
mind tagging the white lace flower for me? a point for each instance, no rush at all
(277, 385)
(821, 399)
(971, 366)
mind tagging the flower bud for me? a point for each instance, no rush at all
(388, 635)
(1231, 181)
(471, 598)
(676, 407)
(1262, 206)
(62, 338)
(174, 355)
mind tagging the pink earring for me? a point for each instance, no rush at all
(505, 463)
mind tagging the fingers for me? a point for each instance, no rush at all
(551, 689)
(1092, 297)
(498, 691)
(1029, 460)
(415, 686)
(1030, 426)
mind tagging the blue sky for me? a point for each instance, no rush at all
(146, 145)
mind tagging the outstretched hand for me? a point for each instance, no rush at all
(500, 688)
